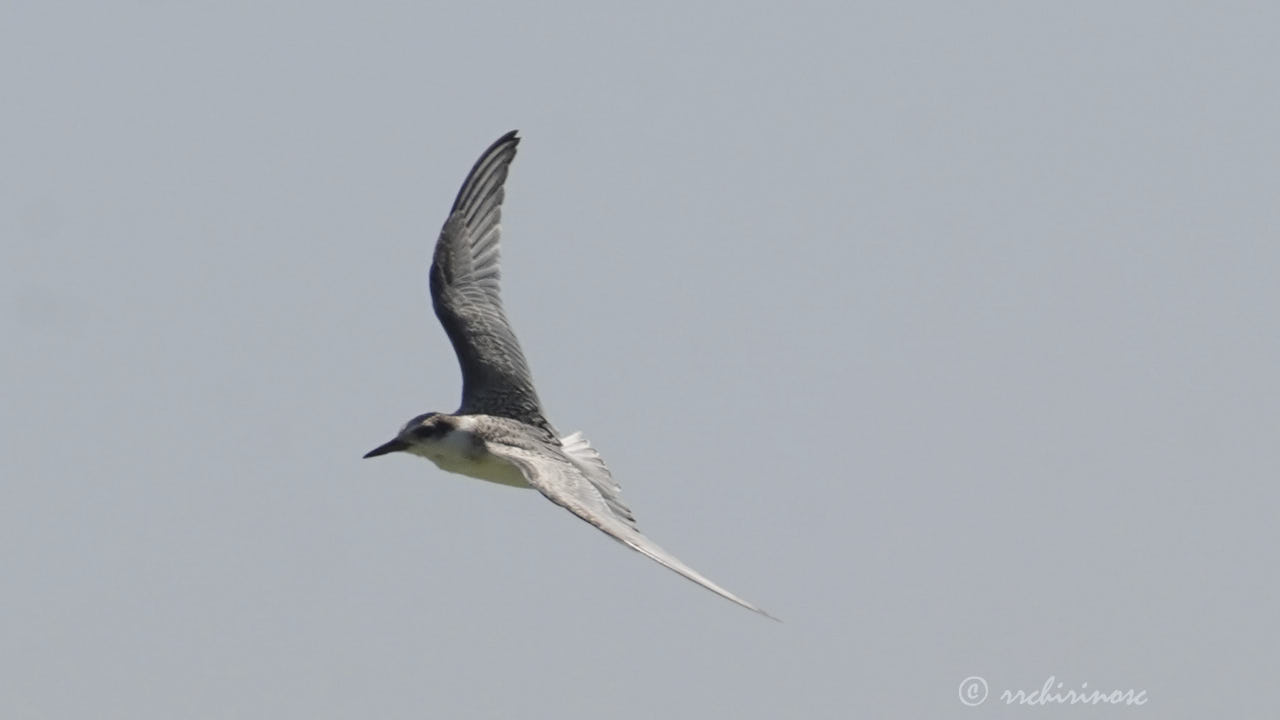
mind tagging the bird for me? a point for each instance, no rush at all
(499, 432)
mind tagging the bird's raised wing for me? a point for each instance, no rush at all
(464, 292)
(565, 484)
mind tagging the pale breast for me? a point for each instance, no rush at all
(462, 453)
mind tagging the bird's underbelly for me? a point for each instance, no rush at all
(482, 467)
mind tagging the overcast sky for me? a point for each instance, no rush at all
(947, 332)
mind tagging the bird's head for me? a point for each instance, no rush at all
(417, 435)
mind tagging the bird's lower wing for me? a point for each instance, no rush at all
(565, 485)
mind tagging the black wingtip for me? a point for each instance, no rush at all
(494, 159)
(509, 137)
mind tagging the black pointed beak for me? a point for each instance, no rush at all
(388, 447)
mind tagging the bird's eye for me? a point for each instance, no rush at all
(424, 431)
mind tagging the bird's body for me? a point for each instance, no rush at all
(465, 450)
(499, 433)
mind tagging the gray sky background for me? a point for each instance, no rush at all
(944, 331)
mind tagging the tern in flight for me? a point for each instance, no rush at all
(499, 433)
